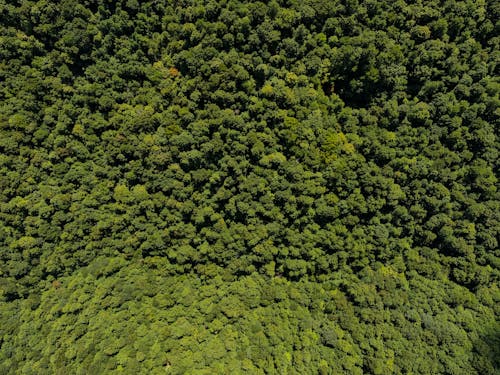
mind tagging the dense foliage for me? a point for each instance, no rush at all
(281, 187)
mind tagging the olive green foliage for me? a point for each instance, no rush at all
(229, 187)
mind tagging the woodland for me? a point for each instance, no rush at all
(249, 187)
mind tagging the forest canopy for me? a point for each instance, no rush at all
(229, 187)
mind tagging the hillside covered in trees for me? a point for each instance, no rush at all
(246, 187)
